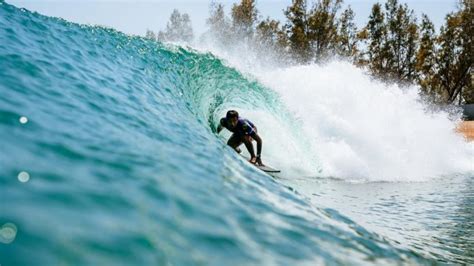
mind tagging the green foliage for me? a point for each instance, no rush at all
(150, 35)
(426, 56)
(392, 45)
(347, 35)
(244, 18)
(322, 28)
(376, 36)
(453, 79)
(313, 35)
(219, 25)
(271, 35)
(466, 90)
(401, 41)
(179, 28)
(297, 30)
(391, 39)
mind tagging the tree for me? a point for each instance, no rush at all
(375, 35)
(467, 54)
(271, 36)
(296, 28)
(361, 55)
(347, 34)
(408, 70)
(179, 28)
(150, 35)
(244, 18)
(218, 23)
(322, 28)
(455, 58)
(401, 41)
(426, 56)
(447, 59)
(394, 47)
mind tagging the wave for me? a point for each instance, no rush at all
(124, 166)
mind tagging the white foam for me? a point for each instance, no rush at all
(360, 129)
(345, 125)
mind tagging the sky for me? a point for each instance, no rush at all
(135, 17)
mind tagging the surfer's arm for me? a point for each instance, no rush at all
(257, 138)
(221, 125)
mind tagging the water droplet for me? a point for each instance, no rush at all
(23, 120)
(8, 233)
(23, 176)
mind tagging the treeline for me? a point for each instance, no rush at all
(394, 45)
(178, 29)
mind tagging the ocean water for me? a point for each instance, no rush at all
(109, 156)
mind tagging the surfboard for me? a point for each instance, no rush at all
(267, 169)
(264, 168)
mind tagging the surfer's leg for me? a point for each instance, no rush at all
(248, 144)
(235, 141)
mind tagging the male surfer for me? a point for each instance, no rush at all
(243, 131)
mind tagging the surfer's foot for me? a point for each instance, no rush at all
(253, 160)
(238, 150)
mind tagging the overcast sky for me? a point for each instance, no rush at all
(135, 17)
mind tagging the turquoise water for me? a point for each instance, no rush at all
(108, 157)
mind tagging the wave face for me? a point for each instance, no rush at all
(109, 157)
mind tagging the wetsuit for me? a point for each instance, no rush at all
(243, 128)
(244, 132)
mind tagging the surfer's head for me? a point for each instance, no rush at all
(232, 116)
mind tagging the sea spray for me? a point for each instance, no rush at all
(342, 123)
(362, 129)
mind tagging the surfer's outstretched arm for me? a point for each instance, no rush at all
(259, 143)
(221, 125)
(257, 138)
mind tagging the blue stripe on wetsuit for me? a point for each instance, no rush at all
(247, 126)
(244, 126)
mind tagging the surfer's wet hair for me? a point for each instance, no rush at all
(231, 114)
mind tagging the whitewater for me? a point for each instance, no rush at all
(109, 156)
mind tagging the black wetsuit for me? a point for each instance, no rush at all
(243, 128)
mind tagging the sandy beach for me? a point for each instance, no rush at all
(467, 129)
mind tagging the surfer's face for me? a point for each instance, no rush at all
(233, 121)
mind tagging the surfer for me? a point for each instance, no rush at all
(243, 131)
